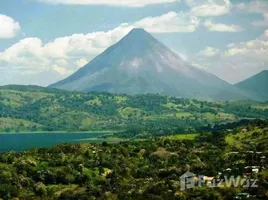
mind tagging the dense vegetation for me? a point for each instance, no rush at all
(36, 109)
(145, 169)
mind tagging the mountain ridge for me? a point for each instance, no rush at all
(256, 85)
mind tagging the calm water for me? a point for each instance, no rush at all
(21, 142)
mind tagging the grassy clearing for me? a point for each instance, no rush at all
(265, 173)
(226, 116)
(179, 115)
(261, 107)
(209, 116)
(171, 105)
(87, 123)
(13, 124)
(130, 112)
(183, 115)
(156, 117)
(183, 136)
(95, 102)
(120, 99)
(240, 139)
(17, 98)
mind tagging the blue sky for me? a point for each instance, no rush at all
(43, 41)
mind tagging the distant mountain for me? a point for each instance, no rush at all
(140, 64)
(256, 85)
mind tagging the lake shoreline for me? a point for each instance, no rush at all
(24, 141)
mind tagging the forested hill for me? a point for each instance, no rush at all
(36, 109)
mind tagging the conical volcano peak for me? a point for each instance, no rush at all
(138, 31)
(140, 64)
(139, 35)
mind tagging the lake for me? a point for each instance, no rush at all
(25, 141)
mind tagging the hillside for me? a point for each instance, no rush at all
(256, 85)
(252, 136)
(35, 109)
(141, 169)
(140, 64)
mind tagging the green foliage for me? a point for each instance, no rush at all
(137, 169)
(37, 109)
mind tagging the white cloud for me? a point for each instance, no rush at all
(209, 7)
(27, 53)
(59, 55)
(128, 3)
(211, 26)
(265, 34)
(263, 22)
(238, 61)
(31, 51)
(256, 6)
(61, 70)
(81, 62)
(8, 27)
(257, 49)
(64, 55)
(209, 52)
(168, 23)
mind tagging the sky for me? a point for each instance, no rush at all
(44, 41)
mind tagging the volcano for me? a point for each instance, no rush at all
(140, 64)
